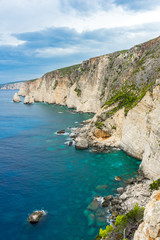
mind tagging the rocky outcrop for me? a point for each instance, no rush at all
(35, 216)
(149, 229)
(16, 98)
(11, 86)
(81, 143)
(29, 99)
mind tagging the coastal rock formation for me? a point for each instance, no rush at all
(35, 216)
(16, 98)
(149, 229)
(11, 86)
(123, 90)
(29, 99)
(81, 143)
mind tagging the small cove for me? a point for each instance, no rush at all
(39, 171)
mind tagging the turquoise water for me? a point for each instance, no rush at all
(39, 171)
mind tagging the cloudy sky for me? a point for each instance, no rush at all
(37, 36)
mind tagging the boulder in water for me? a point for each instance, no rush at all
(61, 131)
(35, 216)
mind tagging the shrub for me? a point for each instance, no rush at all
(155, 185)
(104, 233)
(78, 91)
(124, 223)
(121, 220)
(55, 85)
(99, 125)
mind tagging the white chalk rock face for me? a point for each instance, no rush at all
(16, 98)
(81, 143)
(29, 99)
(149, 229)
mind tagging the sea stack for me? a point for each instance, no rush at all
(16, 98)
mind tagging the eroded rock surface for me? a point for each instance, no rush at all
(149, 229)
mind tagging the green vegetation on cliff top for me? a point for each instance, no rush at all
(67, 70)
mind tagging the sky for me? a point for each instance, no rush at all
(37, 36)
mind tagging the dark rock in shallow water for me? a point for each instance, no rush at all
(117, 178)
(70, 144)
(105, 203)
(61, 131)
(108, 197)
(35, 216)
(114, 201)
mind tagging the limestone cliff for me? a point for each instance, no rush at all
(11, 86)
(138, 133)
(87, 86)
(149, 229)
(123, 90)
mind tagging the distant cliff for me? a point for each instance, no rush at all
(122, 88)
(11, 86)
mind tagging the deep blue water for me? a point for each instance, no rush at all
(39, 171)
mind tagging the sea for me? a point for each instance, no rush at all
(40, 171)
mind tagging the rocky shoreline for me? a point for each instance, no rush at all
(136, 191)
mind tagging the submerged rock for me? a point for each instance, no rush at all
(35, 216)
(93, 206)
(81, 143)
(101, 187)
(16, 98)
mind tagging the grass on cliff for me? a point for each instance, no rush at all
(125, 225)
(68, 70)
(128, 97)
(32, 80)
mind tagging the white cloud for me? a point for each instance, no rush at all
(51, 51)
(9, 40)
(28, 16)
